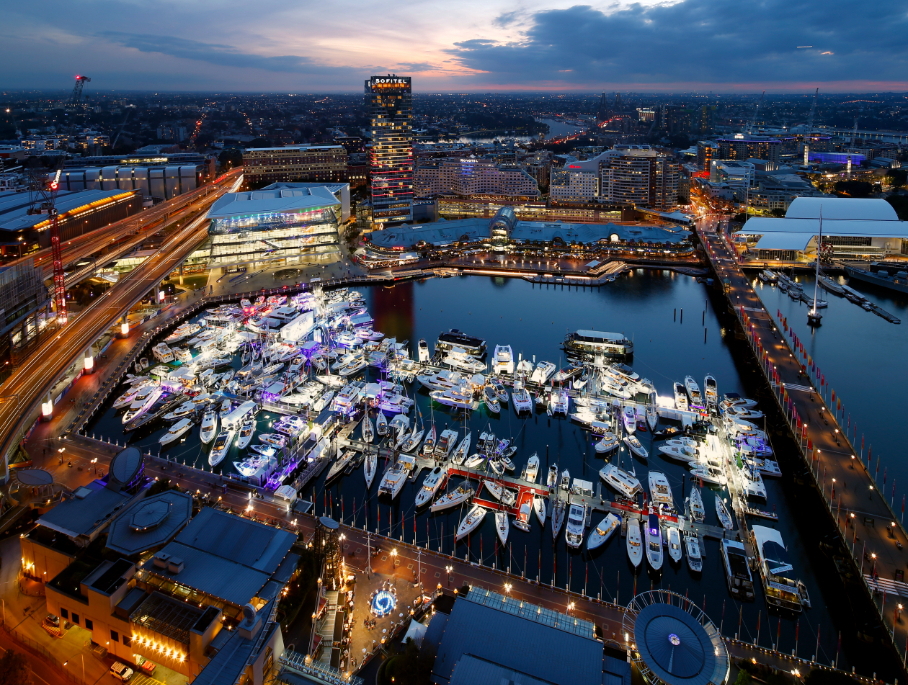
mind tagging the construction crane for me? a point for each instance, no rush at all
(753, 122)
(813, 111)
(43, 198)
(77, 90)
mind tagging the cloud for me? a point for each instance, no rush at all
(506, 19)
(218, 54)
(697, 41)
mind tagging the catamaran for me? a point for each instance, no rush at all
(626, 485)
(452, 499)
(603, 531)
(503, 360)
(430, 485)
(471, 521)
(522, 400)
(394, 479)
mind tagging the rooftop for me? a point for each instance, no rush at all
(14, 206)
(90, 507)
(150, 522)
(503, 634)
(279, 199)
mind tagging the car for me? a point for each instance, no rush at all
(121, 671)
(52, 620)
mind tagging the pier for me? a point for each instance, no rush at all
(870, 530)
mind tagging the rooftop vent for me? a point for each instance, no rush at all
(161, 559)
(175, 565)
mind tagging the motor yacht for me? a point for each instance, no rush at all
(557, 517)
(576, 524)
(430, 485)
(503, 360)
(274, 439)
(539, 508)
(244, 435)
(680, 397)
(452, 499)
(370, 465)
(629, 419)
(659, 490)
(500, 391)
(653, 535)
(722, 513)
(176, 431)
(532, 469)
(707, 474)
(471, 521)
(162, 353)
(183, 410)
(635, 446)
(694, 555)
(496, 465)
(182, 332)
(634, 542)
(491, 399)
(742, 414)
(381, 424)
(674, 544)
(678, 452)
(711, 392)
(220, 447)
(566, 480)
(733, 398)
(543, 372)
(209, 426)
(142, 402)
(460, 359)
(264, 450)
(693, 392)
(440, 380)
(603, 531)
(460, 454)
(608, 444)
(624, 483)
(446, 444)
(502, 526)
(422, 352)
(695, 509)
(257, 466)
(459, 397)
(127, 397)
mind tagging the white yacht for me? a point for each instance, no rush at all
(274, 439)
(634, 542)
(422, 352)
(576, 524)
(654, 542)
(694, 556)
(680, 397)
(460, 454)
(659, 490)
(629, 419)
(707, 474)
(142, 402)
(652, 416)
(381, 424)
(532, 470)
(674, 543)
(369, 467)
(543, 372)
(176, 431)
(258, 465)
(446, 444)
(603, 531)
(557, 517)
(502, 526)
(452, 499)
(430, 485)
(693, 392)
(521, 399)
(500, 390)
(566, 480)
(126, 398)
(626, 485)
(678, 452)
(412, 442)
(428, 446)
(503, 360)
(395, 477)
(183, 331)
(368, 432)
(459, 397)
(471, 521)
(458, 358)
(551, 479)
(539, 508)
(503, 495)
(490, 397)
(711, 391)
(608, 444)
(184, 409)
(344, 457)
(220, 447)
(695, 509)
(264, 450)
(441, 380)
(522, 521)
(244, 436)
(635, 446)
(162, 353)
(725, 518)
(209, 426)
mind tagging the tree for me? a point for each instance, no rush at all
(744, 678)
(231, 158)
(259, 142)
(897, 177)
(900, 205)
(14, 669)
(854, 188)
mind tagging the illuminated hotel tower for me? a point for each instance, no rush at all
(391, 113)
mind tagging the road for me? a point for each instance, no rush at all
(29, 383)
(136, 228)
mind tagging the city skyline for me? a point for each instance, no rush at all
(691, 45)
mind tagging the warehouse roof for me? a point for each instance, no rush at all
(14, 214)
(90, 507)
(784, 241)
(150, 522)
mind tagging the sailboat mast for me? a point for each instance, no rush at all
(816, 283)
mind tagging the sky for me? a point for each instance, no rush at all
(457, 46)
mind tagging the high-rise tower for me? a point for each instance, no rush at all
(391, 113)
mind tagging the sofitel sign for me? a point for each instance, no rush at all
(382, 82)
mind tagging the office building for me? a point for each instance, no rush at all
(293, 164)
(639, 177)
(472, 176)
(743, 147)
(285, 223)
(674, 119)
(706, 152)
(736, 174)
(573, 184)
(391, 115)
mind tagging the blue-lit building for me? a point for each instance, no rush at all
(284, 223)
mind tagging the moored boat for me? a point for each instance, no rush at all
(603, 531)
(634, 542)
(452, 499)
(471, 521)
(653, 542)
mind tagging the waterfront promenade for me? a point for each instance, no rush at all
(861, 506)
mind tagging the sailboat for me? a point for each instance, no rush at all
(502, 526)
(368, 432)
(539, 508)
(557, 517)
(634, 542)
(428, 447)
(724, 517)
(471, 521)
(370, 466)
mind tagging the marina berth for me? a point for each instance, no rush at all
(653, 536)
(452, 499)
(576, 524)
(781, 586)
(737, 570)
(471, 521)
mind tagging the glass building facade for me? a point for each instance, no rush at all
(391, 112)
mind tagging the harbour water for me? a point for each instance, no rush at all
(861, 355)
(676, 332)
(557, 128)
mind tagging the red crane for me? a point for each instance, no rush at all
(59, 276)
